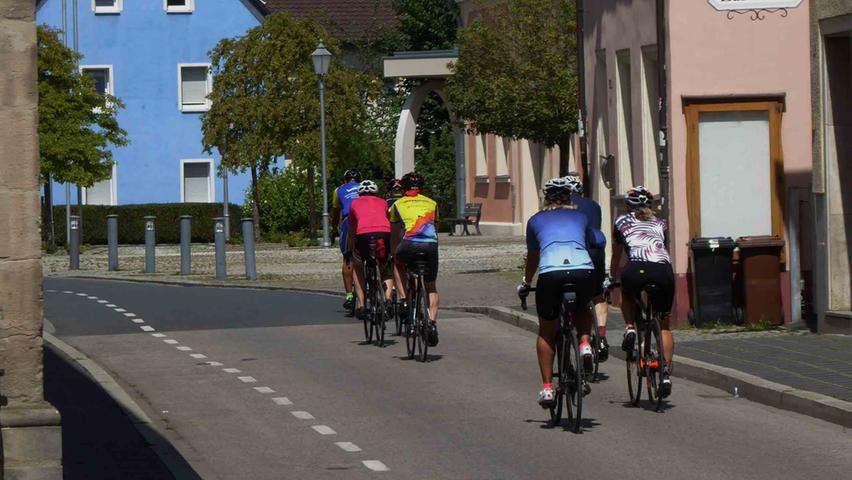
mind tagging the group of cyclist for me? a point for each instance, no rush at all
(395, 230)
(565, 245)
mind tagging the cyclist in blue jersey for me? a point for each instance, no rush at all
(598, 253)
(343, 196)
(558, 238)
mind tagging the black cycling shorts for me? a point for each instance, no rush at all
(408, 251)
(373, 244)
(636, 275)
(549, 288)
(599, 261)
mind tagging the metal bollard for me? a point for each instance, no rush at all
(248, 247)
(219, 236)
(112, 241)
(185, 247)
(75, 242)
(150, 244)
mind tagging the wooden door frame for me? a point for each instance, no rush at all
(692, 112)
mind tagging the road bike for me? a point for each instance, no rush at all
(374, 298)
(645, 359)
(418, 321)
(569, 379)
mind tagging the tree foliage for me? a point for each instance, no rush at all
(516, 75)
(427, 24)
(77, 124)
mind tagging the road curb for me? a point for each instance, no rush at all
(730, 380)
(165, 451)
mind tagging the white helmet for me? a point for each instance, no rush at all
(639, 196)
(368, 187)
(557, 189)
(574, 183)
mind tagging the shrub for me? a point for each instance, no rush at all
(131, 223)
(284, 202)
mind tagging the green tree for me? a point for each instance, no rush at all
(265, 104)
(427, 24)
(516, 75)
(77, 124)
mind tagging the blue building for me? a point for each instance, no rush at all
(152, 54)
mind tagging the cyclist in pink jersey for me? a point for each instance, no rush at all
(368, 221)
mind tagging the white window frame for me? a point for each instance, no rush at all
(119, 5)
(207, 103)
(113, 188)
(189, 8)
(110, 80)
(211, 183)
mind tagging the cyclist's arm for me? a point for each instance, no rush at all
(532, 265)
(335, 209)
(617, 253)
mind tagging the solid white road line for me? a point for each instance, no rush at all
(282, 401)
(170, 341)
(129, 314)
(375, 465)
(138, 320)
(264, 390)
(231, 370)
(247, 379)
(197, 355)
(158, 335)
(147, 328)
(120, 310)
(214, 364)
(324, 430)
(184, 348)
(348, 446)
(302, 415)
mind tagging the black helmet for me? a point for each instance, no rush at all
(412, 180)
(352, 174)
(393, 185)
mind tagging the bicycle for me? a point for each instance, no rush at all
(418, 321)
(647, 361)
(569, 377)
(374, 299)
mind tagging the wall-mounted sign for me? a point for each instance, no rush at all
(753, 4)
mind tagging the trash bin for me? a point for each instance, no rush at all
(712, 271)
(760, 263)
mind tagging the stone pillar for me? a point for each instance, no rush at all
(30, 437)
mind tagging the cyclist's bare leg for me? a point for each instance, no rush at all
(545, 348)
(348, 275)
(583, 319)
(432, 290)
(668, 340)
(357, 267)
(601, 311)
(628, 309)
(399, 274)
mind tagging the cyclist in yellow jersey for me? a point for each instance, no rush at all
(413, 232)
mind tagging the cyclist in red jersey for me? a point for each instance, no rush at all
(368, 224)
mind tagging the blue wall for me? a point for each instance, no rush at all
(144, 45)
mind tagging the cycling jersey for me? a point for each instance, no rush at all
(590, 208)
(343, 197)
(644, 240)
(562, 236)
(418, 215)
(392, 200)
(368, 214)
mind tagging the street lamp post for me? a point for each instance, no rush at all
(322, 59)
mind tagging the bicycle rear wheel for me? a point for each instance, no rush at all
(379, 318)
(574, 382)
(556, 409)
(595, 340)
(634, 371)
(396, 316)
(656, 363)
(409, 329)
(368, 306)
(423, 322)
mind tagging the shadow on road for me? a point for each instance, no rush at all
(98, 439)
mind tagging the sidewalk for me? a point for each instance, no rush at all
(795, 370)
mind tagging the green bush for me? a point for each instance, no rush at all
(131, 224)
(284, 202)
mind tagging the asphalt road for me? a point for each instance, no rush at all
(253, 384)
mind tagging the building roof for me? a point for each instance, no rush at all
(345, 19)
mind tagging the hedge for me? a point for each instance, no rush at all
(131, 224)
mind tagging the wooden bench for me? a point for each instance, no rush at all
(470, 216)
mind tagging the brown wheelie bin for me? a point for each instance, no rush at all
(760, 267)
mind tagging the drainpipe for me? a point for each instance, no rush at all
(581, 94)
(662, 81)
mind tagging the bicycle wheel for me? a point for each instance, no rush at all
(423, 322)
(409, 327)
(634, 371)
(379, 308)
(368, 307)
(595, 340)
(656, 363)
(574, 382)
(396, 317)
(556, 409)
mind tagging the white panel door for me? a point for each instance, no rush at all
(735, 175)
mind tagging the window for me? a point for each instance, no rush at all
(101, 75)
(624, 110)
(194, 84)
(502, 153)
(106, 6)
(103, 192)
(650, 118)
(481, 172)
(196, 181)
(179, 6)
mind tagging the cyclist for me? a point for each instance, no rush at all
(368, 224)
(343, 197)
(642, 237)
(413, 232)
(557, 247)
(393, 192)
(598, 253)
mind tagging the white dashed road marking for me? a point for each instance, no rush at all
(247, 379)
(67, 291)
(302, 415)
(82, 295)
(324, 430)
(231, 370)
(348, 446)
(147, 328)
(158, 335)
(264, 390)
(214, 364)
(129, 314)
(103, 301)
(92, 298)
(120, 310)
(50, 291)
(138, 320)
(282, 401)
(184, 348)
(197, 355)
(375, 465)
(171, 341)
(110, 305)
